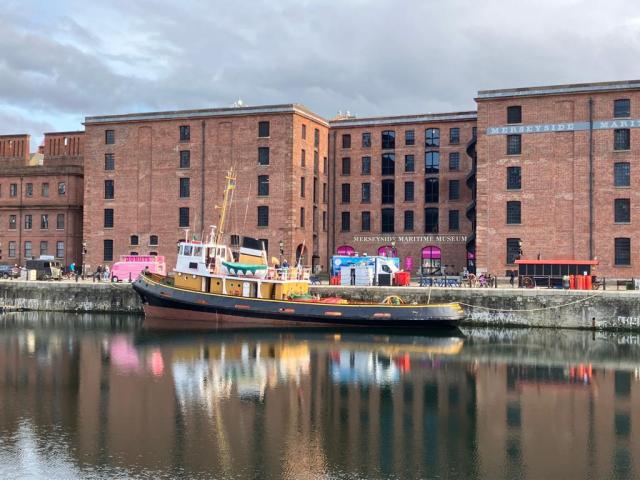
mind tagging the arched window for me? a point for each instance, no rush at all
(387, 251)
(153, 240)
(431, 260)
(346, 250)
(301, 254)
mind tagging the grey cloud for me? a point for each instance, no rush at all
(372, 57)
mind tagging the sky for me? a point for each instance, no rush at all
(62, 60)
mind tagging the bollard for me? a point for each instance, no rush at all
(604, 283)
(129, 277)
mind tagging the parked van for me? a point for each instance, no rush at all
(130, 266)
(45, 269)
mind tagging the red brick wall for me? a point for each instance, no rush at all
(147, 177)
(555, 183)
(454, 257)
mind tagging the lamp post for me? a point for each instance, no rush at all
(281, 245)
(84, 252)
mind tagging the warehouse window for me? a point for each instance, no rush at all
(27, 249)
(346, 166)
(408, 220)
(185, 133)
(454, 220)
(346, 141)
(366, 193)
(109, 189)
(622, 108)
(346, 193)
(432, 137)
(263, 185)
(514, 114)
(454, 161)
(346, 221)
(109, 137)
(388, 164)
(409, 137)
(263, 155)
(185, 158)
(366, 221)
(409, 164)
(388, 216)
(621, 139)
(454, 189)
(623, 251)
(108, 218)
(263, 129)
(514, 144)
(184, 187)
(513, 250)
(263, 216)
(454, 136)
(59, 249)
(514, 181)
(60, 221)
(408, 191)
(389, 139)
(388, 191)
(366, 166)
(107, 250)
(431, 190)
(431, 220)
(622, 174)
(513, 213)
(366, 140)
(432, 162)
(109, 161)
(622, 207)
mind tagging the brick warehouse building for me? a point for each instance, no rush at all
(41, 197)
(150, 176)
(537, 150)
(400, 187)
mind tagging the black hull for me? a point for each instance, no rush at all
(167, 302)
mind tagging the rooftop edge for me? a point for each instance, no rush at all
(559, 89)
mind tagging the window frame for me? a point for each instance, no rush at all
(514, 114)
(262, 216)
(511, 179)
(514, 212)
(185, 133)
(624, 111)
(262, 125)
(454, 136)
(622, 258)
(622, 210)
(432, 137)
(514, 147)
(263, 183)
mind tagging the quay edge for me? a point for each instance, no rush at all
(601, 310)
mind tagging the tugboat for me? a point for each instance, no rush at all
(209, 285)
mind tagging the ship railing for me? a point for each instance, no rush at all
(289, 273)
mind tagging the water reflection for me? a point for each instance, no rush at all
(89, 396)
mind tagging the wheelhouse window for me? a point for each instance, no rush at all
(366, 140)
(431, 220)
(263, 129)
(622, 207)
(388, 217)
(454, 136)
(432, 162)
(388, 164)
(346, 141)
(389, 139)
(431, 190)
(388, 191)
(432, 137)
(185, 133)
(263, 216)
(621, 139)
(366, 166)
(514, 114)
(513, 212)
(514, 180)
(514, 144)
(622, 108)
(622, 251)
(622, 174)
(409, 137)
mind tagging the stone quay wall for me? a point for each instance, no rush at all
(602, 310)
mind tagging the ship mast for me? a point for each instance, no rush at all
(228, 189)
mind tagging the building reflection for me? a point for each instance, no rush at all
(305, 406)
